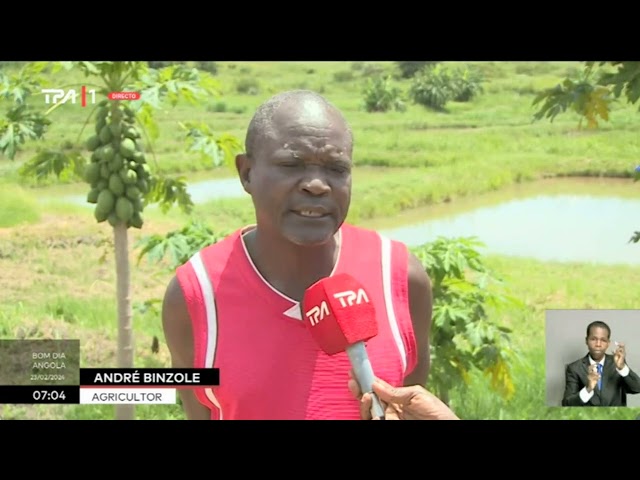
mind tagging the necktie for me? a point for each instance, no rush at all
(600, 373)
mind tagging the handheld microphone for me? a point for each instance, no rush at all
(340, 317)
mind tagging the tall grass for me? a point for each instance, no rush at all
(17, 207)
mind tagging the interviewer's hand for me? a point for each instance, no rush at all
(402, 403)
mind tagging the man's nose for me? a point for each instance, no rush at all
(315, 183)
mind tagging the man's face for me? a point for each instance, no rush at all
(598, 342)
(300, 180)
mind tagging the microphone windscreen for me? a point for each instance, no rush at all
(338, 312)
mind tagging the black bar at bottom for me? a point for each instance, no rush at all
(51, 394)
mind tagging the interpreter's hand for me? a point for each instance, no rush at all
(402, 403)
(592, 377)
(619, 356)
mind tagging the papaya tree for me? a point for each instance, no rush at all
(114, 159)
(591, 94)
(465, 335)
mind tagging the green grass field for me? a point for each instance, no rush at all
(54, 284)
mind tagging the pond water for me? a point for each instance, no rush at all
(208, 190)
(556, 227)
(582, 220)
(201, 191)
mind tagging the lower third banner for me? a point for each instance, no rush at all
(128, 396)
(146, 386)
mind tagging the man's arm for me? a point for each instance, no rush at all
(631, 380)
(575, 395)
(421, 307)
(179, 336)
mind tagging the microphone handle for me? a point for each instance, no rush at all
(364, 375)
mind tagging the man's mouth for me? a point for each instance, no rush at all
(311, 212)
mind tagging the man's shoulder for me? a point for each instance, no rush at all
(576, 363)
(350, 227)
(219, 247)
(416, 269)
(225, 241)
(356, 229)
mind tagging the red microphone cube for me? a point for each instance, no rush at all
(338, 312)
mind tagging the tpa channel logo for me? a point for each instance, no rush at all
(59, 96)
(350, 297)
(317, 313)
(347, 299)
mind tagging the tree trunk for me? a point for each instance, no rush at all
(125, 327)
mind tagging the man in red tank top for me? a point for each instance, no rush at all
(236, 304)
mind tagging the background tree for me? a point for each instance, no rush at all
(590, 93)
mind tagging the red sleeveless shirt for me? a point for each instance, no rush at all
(270, 366)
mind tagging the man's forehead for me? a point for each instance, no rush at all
(310, 123)
(309, 114)
(599, 331)
(305, 110)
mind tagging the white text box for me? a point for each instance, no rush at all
(128, 396)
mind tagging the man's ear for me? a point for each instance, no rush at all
(243, 166)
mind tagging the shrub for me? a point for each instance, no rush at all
(381, 96)
(410, 69)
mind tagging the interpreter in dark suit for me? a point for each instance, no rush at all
(600, 379)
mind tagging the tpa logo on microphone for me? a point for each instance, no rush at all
(350, 297)
(317, 313)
